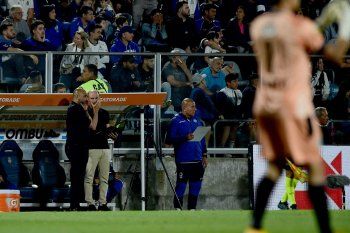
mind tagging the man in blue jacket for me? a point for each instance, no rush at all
(190, 156)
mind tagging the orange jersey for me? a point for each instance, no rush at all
(283, 103)
(281, 42)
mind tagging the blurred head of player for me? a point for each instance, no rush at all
(292, 5)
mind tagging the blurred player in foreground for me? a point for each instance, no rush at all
(283, 106)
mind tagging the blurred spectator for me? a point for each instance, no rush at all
(59, 88)
(141, 7)
(120, 21)
(208, 21)
(331, 33)
(125, 76)
(146, 71)
(97, 45)
(215, 77)
(205, 107)
(249, 96)
(104, 7)
(90, 81)
(13, 65)
(38, 42)
(320, 84)
(176, 73)
(124, 43)
(85, 19)
(229, 101)
(323, 120)
(27, 6)
(20, 25)
(53, 27)
(154, 35)
(181, 29)
(107, 27)
(34, 83)
(236, 35)
(72, 65)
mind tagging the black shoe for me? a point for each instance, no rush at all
(103, 208)
(283, 205)
(294, 207)
(91, 208)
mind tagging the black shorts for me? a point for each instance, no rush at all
(189, 171)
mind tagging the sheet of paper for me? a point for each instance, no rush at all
(199, 133)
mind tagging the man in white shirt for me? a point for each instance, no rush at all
(97, 45)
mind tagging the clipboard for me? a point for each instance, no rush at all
(199, 133)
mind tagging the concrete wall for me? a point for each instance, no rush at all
(225, 184)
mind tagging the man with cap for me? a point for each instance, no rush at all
(125, 76)
(249, 96)
(177, 79)
(124, 43)
(181, 29)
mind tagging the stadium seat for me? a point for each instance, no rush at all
(48, 174)
(16, 175)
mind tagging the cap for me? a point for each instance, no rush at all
(198, 78)
(178, 50)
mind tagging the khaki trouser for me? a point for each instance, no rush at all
(100, 157)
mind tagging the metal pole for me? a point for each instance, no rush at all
(48, 72)
(157, 88)
(143, 184)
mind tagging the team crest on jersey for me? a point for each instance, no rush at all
(181, 175)
(195, 120)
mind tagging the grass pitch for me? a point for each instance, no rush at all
(163, 222)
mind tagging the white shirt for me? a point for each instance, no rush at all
(101, 46)
(325, 89)
(209, 49)
(26, 4)
(232, 95)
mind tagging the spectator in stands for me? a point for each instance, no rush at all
(20, 25)
(249, 96)
(237, 33)
(320, 84)
(181, 29)
(72, 65)
(215, 77)
(208, 21)
(125, 76)
(205, 107)
(323, 120)
(146, 71)
(124, 43)
(141, 7)
(104, 7)
(107, 28)
(53, 27)
(27, 6)
(13, 65)
(97, 45)
(154, 35)
(229, 101)
(331, 33)
(99, 154)
(85, 19)
(120, 21)
(59, 88)
(91, 82)
(33, 84)
(176, 73)
(78, 125)
(38, 42)
(190, 156)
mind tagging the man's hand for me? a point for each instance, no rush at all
(35, 59)
(190, 136)
(96, 107)
(205, 162)
(1, 179)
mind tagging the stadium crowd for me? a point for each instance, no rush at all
(205, 26)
